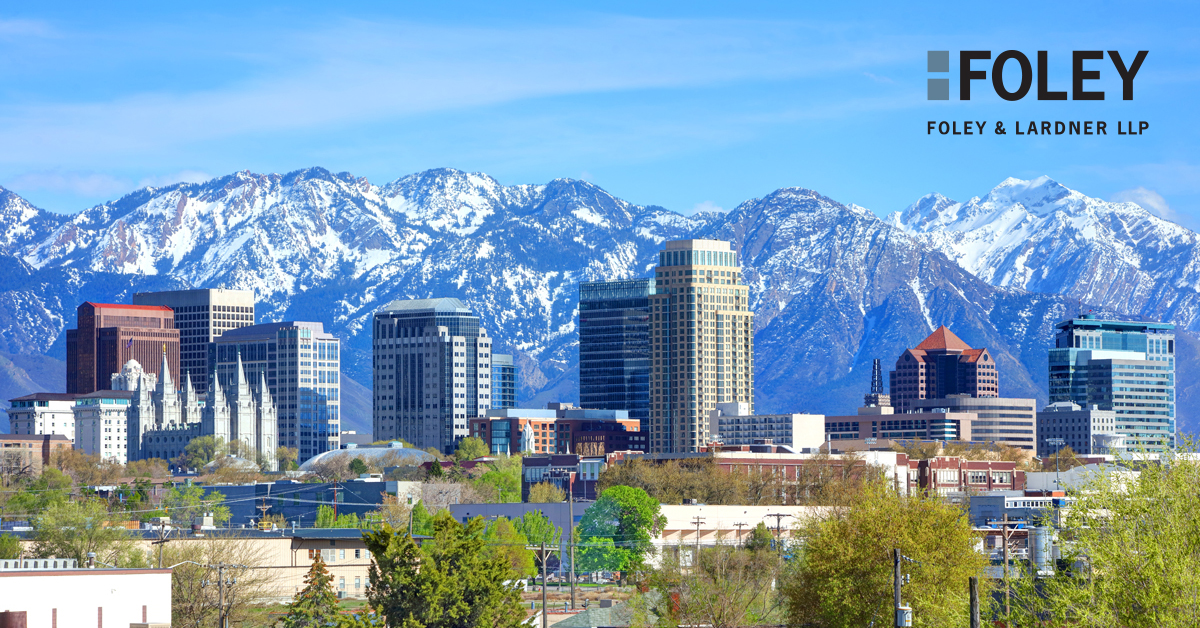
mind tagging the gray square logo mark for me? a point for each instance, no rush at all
(939, 89)
(939, 61)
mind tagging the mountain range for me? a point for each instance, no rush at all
(833, 286)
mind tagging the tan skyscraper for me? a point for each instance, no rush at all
(702, 337)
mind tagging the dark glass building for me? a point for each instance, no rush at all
(504, 382)
(614, 346)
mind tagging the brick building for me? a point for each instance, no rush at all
(22, 454)
(942, 365)
(109, 335)
(559, 429)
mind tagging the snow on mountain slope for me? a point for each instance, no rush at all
(832, 285)
(1041, 236)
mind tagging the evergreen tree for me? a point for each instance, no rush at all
(449, 582)
(317, 604)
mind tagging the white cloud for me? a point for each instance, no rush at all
(356, 72)
(16, 28)
(879, 79)
(1148, 199)
(707, 206)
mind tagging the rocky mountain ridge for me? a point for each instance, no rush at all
(833, 286)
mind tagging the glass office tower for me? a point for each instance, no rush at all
(614, 346)
(504, 382)
(302, 363)
(1126, 367)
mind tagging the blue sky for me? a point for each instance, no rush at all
(685, 105)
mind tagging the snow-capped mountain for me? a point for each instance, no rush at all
(833, 285)
(1041, 236)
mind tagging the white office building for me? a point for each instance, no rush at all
(43, 413)
(201, 316)
(102, 421)
(736, 426)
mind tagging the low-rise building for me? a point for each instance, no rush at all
(52, 592)
(558, 470)
(43, 413)
(561, 428)
(22, 454)
(736, 426)
(944, 475)
(1004, 420)
(1086, 431)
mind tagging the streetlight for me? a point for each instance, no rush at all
(1057, 458)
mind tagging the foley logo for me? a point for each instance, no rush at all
(1085, 66)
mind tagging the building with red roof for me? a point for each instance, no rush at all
(940, 366)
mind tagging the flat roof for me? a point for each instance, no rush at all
(17, 437)
(441, 304)
(271, 329)
(1096, 323)
(123, 306)
(47, 396)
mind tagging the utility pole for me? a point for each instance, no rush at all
(696, 559)
(571, 530)
(974, 584)
(162, 540)
(545, 620)
(221, 595)
(740, 525)
(896, 577)
(778, 530)
(1006, 534)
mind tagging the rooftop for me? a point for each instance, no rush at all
(943, 339)
(271, 329)
(47, 396)
(443, 304)
(1088, 321)
(123, 306)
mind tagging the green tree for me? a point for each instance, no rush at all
(422, 521)
(450, 582)
(52, 487)
(470, 448)
(184, 503)
(287, 458)
(358, 467)
(316, 605)
(546, 493)
(843, 578)
(435, 469)
(505, 541)
(1134, 545)
(328, 518)
(726, 587)
(538, 528)
(73, 529)
(503, 478)
(597, 553)
(10, 547)
(629, 517)
(204, 449)
(760, 537)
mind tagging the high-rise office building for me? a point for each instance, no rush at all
(614, 346)
(301, 366)
(702, 340)
(942, 365)
(432, 372)
(504, 382)
(201, 316)
(1126, 367)
(108, 335)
